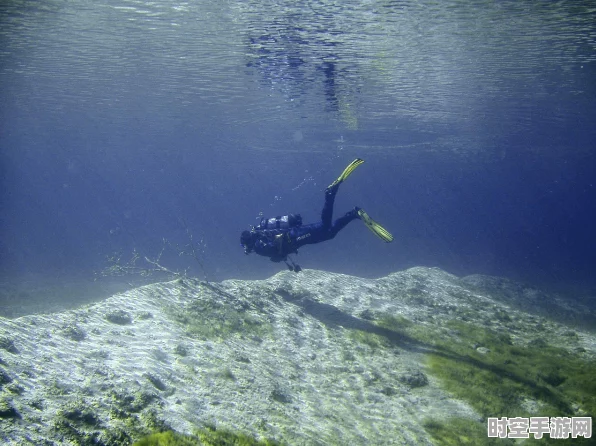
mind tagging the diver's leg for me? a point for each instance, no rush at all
(375, 228)
(327, 213)
(346, 173)
(331, 190)
(341, 222)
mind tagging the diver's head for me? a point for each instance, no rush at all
(247, 240)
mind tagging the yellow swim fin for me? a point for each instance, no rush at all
(346, 173)
(376, 228)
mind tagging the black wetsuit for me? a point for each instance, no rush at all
(278, 243)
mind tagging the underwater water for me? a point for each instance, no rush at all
(124, 123)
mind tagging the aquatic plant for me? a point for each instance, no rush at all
(462, 432)
(76, 422)
(151, 419)
(209, 436)
(132, 402)
(396, 323)
(168, 439)
(79, 412)
(214, 320)
(495, 376)
(372, 340)
(498, 382)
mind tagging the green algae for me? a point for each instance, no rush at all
(462, 431)
(391, 322)
(217, 321)
(167, 439)
(499, 382)
(390, 328)
(373, 340)
(493, 375)
(203, 437)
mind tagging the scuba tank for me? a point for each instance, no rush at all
(285, 222)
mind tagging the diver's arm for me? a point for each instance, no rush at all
(273, 244)
(265, 247)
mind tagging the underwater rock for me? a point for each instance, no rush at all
(8, 345)
(4, 378)
(281, 395)
(36, 404)
(339, 359)
(538, 343)
(74, 333)
(529, 299)
(14, 388)
(181, 350)
(156, 381)
(414, 379)
(78, 412)
(119, 317)
(132, 403)
(7, 411)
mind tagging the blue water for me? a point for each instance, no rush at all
(127, 122)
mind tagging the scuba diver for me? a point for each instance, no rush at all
(279, 237)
